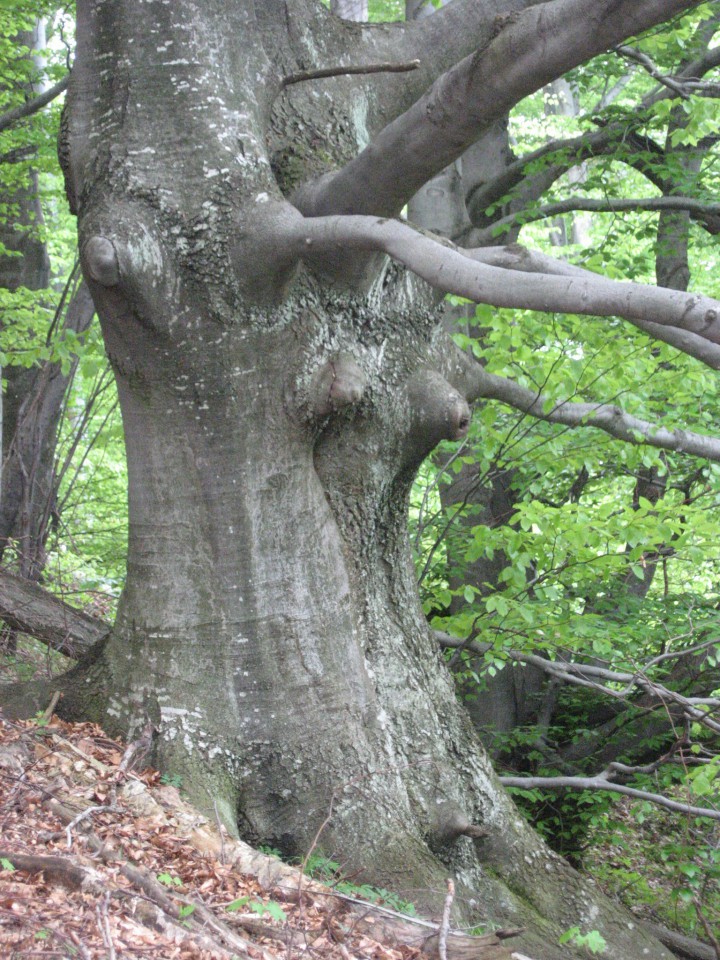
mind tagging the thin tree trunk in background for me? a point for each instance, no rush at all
(34, 395)
(560, 100)
(350, 9)
(32, 414)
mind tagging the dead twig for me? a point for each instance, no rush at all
(707, 927)
(83, 816)
(221, 832)
(445, 925)
(50, 710)
(214, 929)
(104, 926)
(349, 71)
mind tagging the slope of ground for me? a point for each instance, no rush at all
(99, 858)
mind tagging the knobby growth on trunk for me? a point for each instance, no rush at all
(275, 335)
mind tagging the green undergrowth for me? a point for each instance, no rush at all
(31, 660)
(330, 872)
(663, 867)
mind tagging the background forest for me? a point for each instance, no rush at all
(571, 571)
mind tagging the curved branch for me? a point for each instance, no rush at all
(33, 106)
(601, 782)
(607, 417)
(637, 56)
(516, 257)
(597, 678)
(532, 48)
(324, 241)
(613, 138)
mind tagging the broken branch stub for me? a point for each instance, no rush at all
(438, 412)
(101, 261)
(336, 384)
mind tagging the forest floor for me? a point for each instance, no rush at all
(100, 857)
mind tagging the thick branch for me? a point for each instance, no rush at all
(601, 782)
(33, 106)
(28, 608)
(455, 31)
(538, 45)
(323, 240)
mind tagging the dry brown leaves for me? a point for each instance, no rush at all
(140, 887)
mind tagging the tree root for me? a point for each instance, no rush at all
(289, 883)
(681, 946)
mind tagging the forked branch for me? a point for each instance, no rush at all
(531, 48)
(602, 782)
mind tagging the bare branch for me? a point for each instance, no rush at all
(630, 53)
(349, 70)
(618, 139)
(704, 88)
(601, 782)
(33, 106)
(606, 417)
(598, 678)
(516, 257)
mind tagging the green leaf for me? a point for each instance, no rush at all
(237, 904)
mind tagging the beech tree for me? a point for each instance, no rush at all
(239, 171)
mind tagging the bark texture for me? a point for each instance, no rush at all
(275, 413)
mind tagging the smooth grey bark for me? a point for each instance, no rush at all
(275, 415)
(471, 96)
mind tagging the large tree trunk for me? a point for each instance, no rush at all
(270, 626)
